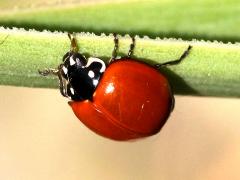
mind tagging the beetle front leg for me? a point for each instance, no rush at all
(56, 72)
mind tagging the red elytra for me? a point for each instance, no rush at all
(132, 100)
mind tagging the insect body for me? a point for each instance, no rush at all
(125, 99)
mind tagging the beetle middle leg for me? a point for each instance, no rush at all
(132, 47)
(115, 49)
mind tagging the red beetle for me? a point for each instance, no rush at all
(125, 99)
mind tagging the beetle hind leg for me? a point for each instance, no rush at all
(177, 61)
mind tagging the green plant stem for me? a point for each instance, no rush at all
(211, 69)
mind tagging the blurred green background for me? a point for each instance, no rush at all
(200, 19)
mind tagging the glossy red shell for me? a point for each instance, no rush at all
(132, 100)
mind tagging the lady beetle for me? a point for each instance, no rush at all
(121, 100)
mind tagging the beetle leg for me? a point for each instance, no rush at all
(48, 71)
(56, 72)
(115, 49)
(131, 49)
(74, 46)
(62, 82)
(177, 61)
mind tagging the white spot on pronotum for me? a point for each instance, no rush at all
(72, 62)
(91, 74)
(110, 88)
(95, 82)
(72, 90)
(91, 60)
(65, 70)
